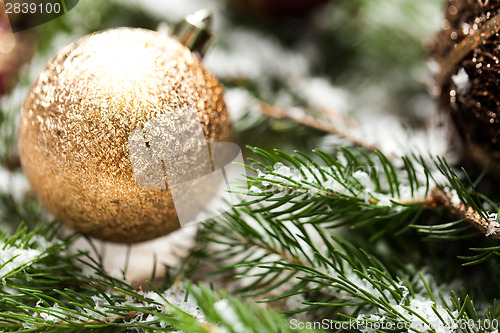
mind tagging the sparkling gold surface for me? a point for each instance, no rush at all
(77, 118)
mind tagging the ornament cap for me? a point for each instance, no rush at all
(195, 31)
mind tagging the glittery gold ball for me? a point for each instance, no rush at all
(78, 116)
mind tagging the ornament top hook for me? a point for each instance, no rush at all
(195, 32)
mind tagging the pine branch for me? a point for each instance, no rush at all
(46, 288)
(353, 188)
(334, 278)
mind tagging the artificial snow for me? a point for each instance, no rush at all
(229, 315)
(99, 308)
(14, 183)
(493, 224)
(363, 286)
(323, 95)
(49, 317)
(255, 189)
(103, 311)
(420, 311)
(365, 321)
(163, 304)
(12, 257)
(455, 199)
(28, 326)
(295, 301)
(177, 297)
(283, 170)
(417, 310)
(241, 103)
(436, 317)
(364, 179)
(461, 80)
(493, 217)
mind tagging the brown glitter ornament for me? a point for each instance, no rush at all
(80, 112)
(468, 51)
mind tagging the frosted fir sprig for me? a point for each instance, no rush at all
(25, 249)
(14, 259)
(357, 185)
(361, 178)
(331, 277)
(194, 309)
(44, 287)
(133, 307)
(411, 306)
(352, 187)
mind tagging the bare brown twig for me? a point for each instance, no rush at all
(468, 214)
(318, 124)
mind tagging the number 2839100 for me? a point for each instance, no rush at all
(32, 8)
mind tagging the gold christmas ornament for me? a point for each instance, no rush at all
(77, 121)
